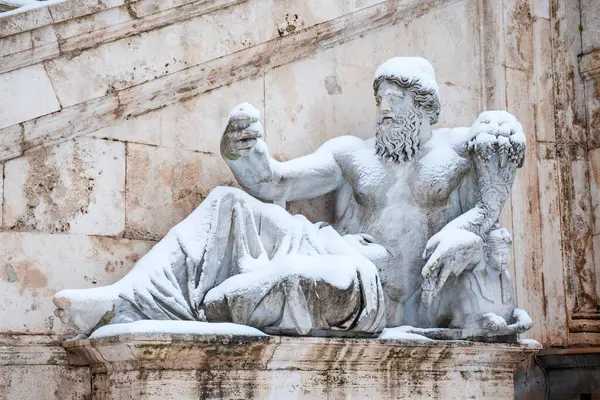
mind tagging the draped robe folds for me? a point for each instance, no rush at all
(236, 259)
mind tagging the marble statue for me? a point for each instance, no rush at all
(484, 296)
(413, 209)
(479, 302)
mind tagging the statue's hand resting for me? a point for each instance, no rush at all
(521, 321)
(492, 322)
(448, 252)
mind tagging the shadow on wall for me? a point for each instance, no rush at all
(559, 377)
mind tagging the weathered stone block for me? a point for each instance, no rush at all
(595, 189)
(371, 49)
(11, 142)
(94, 73)
(234, 367)
(555, 323)
(71, 122)
(76, 186)
(584, 277)
(541, 9)
(36, 367)
(1, 192)
(311, 101)
(165, 185)
(518, 38)
(25, 94)
(542, 79)
(321, 11)
(35, 266)
(596, 248)
(28, 48)
(460, 106)
(456, 42)
(590, 28)
(196, 124)
(48, 382)
(72, 30)
(144, 57)
(22, 22)
(27, 41)
(78, 8)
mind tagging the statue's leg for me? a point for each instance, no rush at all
(299, 293)
(200, 252)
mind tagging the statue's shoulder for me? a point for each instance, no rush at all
(344, 144)
(452, 136)
(456, 139)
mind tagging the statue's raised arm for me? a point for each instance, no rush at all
(246, 153)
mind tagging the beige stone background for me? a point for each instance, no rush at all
(111, 113)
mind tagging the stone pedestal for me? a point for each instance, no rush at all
(182, 366)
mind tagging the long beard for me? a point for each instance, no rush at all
(399, 141)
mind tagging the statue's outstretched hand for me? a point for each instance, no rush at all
(242, 144)
(448, 252)
(242, 132)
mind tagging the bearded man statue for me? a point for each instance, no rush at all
(412, 207)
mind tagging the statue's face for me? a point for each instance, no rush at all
(499, 257)
(392, 99)
(398, 124)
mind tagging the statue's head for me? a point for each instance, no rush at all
(407, 97)
(497, 253)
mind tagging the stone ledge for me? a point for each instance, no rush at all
(187, 351)
(31, 350)
(34, 367)
(184, 366)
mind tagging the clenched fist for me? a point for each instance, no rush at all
(242, 132)
(244, 149)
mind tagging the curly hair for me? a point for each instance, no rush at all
(427, 99)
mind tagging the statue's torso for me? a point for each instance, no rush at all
(401, 205)
(488, 293)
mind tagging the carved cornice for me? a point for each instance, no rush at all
(31, 350)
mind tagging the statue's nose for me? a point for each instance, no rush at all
(385, 107)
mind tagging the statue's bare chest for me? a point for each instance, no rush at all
(426, 181)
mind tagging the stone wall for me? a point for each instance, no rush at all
(111, 113)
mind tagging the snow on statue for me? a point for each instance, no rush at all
(413, 207)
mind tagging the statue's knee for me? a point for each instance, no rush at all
(226, 193)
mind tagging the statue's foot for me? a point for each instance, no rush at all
(85, 309)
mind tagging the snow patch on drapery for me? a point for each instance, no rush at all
(177, 327)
